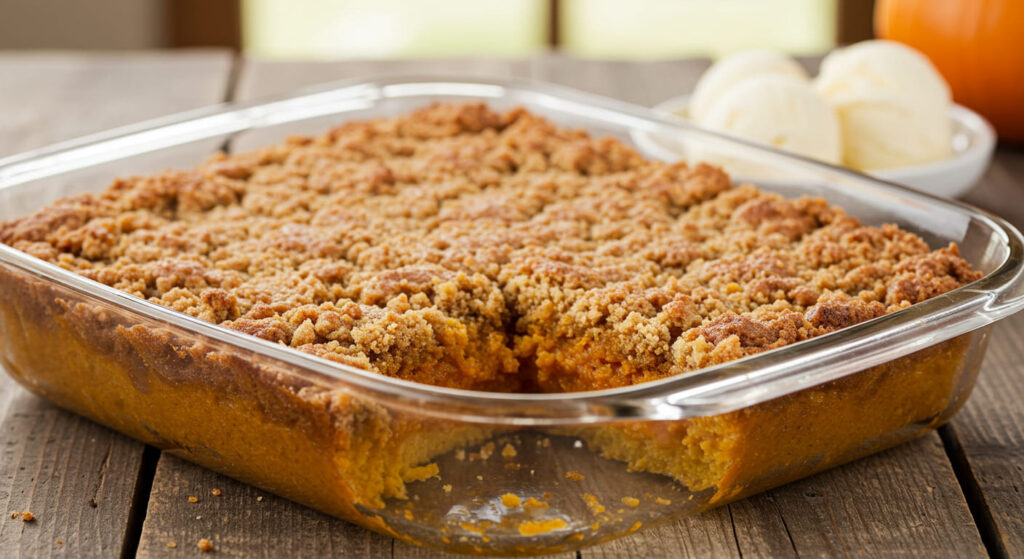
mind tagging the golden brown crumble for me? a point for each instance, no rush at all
(463, 247)
(534, 503)
(537, 527)
(593, 503)
(573, 475)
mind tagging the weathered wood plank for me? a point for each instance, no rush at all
(990, 428)
(242, 521)
(52, 97)
(261, 78)
(759, 527)
(75, 476)
(705, 535)
(1001, 189)
(989, 431)
(643, 83)
(901, 502)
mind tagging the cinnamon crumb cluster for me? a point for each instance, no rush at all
(459, 246)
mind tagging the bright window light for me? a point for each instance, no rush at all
(394, 28)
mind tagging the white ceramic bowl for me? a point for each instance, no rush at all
(974, 139)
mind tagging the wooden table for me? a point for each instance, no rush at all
(95, 493)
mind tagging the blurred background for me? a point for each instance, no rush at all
(367, 29)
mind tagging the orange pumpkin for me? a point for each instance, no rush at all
(977, 45)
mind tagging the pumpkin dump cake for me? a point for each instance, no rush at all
(463, 247)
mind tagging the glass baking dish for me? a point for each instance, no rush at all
(474, 471)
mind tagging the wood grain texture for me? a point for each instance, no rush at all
(990, 431)
(1001, 189)
(46, 98)
(901, 502)
(990, 428)
(643, 83)
(79, 478)
(242, 521)
(262, 78)
(76, 477)
(709, 534)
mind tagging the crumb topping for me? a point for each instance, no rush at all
(463, 247)
(574, 475)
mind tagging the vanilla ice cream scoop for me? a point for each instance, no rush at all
(731, 70)
(892, 104)
(781, 111)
